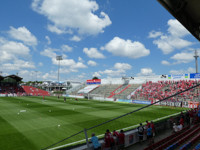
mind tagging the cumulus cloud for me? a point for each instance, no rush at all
(176, 28)
(72, 14)
(91, 63)
(182, 71)
(146, 72)
(96, 74)
(183, 57)
(126, 48)
(164, 62)
(122, 66)
(154, 34)
(75, 38)
(23, 34)
(18, 65)
(118, 71)
(93, 53)
(69, 65)
(11, 50)
(66, 48)
(173, 40)
(48, 40)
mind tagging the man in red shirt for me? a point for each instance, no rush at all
(121, 138)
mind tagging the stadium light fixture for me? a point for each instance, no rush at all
(59, 58)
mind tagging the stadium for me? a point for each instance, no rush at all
(33, 117)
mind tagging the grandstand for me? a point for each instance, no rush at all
(10, 86)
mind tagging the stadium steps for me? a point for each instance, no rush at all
(35, 91)
(174, 140)
(120, 89)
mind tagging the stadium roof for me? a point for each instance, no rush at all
(17, 78)
(187, 12)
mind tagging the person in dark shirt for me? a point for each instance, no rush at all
(140, 132)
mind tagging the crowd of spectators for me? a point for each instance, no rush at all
(11, 89)
(146, 132)
(162, 89)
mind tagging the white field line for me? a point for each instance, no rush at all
(101, 135)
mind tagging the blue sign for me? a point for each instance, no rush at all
(141, 102)
(194, 75)
(124, 100)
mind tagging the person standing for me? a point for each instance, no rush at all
(140, 132)
(149, 134)
(95, 142)
(121, 140)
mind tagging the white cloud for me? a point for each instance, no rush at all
(126, 48)
(96, 74)
(146, 72)
(10, 50)
(23, 34)
(48, 40)
(66, 64)
(55, 29)
(75, 38)
(93, 53)
(182, 71)
(118, 71)
(122, 66)
(91, 63)
(183, 57)
(18, 65)
(73, 14)
(176, 28)
(169, 43)
(66, 48)
(164, 62)
(40, 64)
(154, 34)
(173, 40)
(49, 53)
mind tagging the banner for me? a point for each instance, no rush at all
(192, 104)
(179, 76)
(194, 75)
(141, 102)
(94, 81)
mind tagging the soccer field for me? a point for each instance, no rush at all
(29, 123)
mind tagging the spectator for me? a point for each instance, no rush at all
(187, 118)
(140, 132)
(95, 142)
(149, 134)
(199, 115)
(107, 142)
(121, 140)
(175, 128)
(181, 121)
(153, 131)
(115, 136)
(110, 137)
(180, 127)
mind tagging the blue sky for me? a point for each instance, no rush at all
(103, 38)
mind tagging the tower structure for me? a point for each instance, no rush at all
(196, 61)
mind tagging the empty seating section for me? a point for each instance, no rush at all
(115, 90)
(88, 89)
(163, 89)
(35, 91)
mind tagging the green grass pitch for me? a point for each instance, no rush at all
(29, 123)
